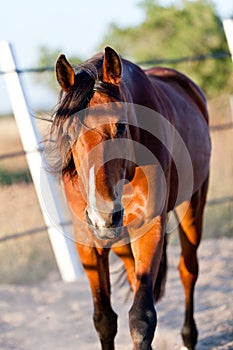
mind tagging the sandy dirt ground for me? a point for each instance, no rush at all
(57, 315)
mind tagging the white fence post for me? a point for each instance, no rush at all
(62, 244)
(228, 28)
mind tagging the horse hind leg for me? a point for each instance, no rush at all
(159, 288)
(124, 252)
(190, 231)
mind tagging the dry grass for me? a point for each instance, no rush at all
(219, 217)
(28, 259)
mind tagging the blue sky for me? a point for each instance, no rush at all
(74, 26)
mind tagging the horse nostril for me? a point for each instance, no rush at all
(117, 216)
(88, 220)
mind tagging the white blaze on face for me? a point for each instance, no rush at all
(94, 216)
(92, 197)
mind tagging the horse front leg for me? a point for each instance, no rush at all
(96, 266)
(147, 251)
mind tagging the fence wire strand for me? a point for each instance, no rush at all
(196, 58)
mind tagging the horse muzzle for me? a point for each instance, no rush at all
(106, 225)
(107, 233)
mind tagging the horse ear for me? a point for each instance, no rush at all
(112, 67)
(65, 73)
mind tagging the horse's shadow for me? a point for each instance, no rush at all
(222, 341)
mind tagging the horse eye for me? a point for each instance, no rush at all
(121, 129)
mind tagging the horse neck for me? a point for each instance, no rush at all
(139, 86)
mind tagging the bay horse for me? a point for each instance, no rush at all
(133, 145)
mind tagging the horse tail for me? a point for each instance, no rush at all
(159, 288)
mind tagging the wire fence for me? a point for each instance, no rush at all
(197, 58)
(213, 128)
(30, 232)
(39, 229)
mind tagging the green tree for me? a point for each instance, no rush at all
(185, 28)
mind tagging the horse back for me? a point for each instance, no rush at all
(184, 105)
(166, 77)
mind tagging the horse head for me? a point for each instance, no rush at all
(94, 119)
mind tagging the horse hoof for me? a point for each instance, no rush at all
(189, 336)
